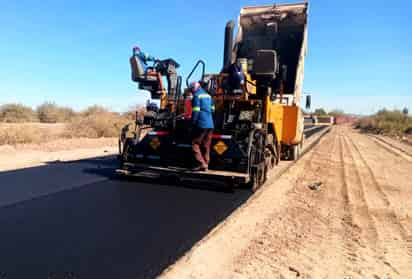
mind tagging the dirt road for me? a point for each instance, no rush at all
(58, 150)
(357, 224)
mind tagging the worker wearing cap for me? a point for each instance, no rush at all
(143, 57)
(202, 125)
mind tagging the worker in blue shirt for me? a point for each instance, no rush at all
(202, 125)
(143, 57)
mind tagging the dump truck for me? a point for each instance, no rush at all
(257, 124)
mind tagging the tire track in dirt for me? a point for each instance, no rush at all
(395, 146)
(385, 208)
(390, 233)
(313, 214)
(298, 244)
(314, 239)
(391, 149)
(330, 210)
(350, 229)
(310, 213)
(365, 232)
(368, 175)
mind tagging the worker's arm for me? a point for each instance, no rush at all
(195, 108)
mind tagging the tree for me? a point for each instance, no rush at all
(405, 111)
(320, 112)
(93, 110)
(336, 112)
(49, 112)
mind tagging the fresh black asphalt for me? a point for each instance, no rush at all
(106, 229)
(79, 220)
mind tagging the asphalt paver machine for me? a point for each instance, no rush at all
(257, 123)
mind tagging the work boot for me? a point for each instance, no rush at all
(197, 168)
(200, 168)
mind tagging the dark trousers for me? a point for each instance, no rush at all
(201, 140)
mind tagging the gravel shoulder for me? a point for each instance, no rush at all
(357, 224)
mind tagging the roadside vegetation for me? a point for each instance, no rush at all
(96, 122)
(22, 133)
(17, 113)
(323, 112)
(20, 124)
(387, 122)
(51, 113)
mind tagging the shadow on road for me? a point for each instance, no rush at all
(79, 218)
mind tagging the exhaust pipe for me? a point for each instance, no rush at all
(228, 48)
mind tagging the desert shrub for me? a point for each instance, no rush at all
(131, 112)
(320, 112)
(393, 122)
(51, 113)
(17, 113)
(96, 123)
(336, 113)
(93, 110)
(21, 134)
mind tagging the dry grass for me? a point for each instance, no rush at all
(101, 125)
(59, 122)
(96, 125)
(17, 113)
(51, 113)
(23, 133)
(394, 123)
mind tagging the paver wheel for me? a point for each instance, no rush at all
(258, 173)
(125, 153)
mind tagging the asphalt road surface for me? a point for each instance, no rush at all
(106, 229)
(78, 220)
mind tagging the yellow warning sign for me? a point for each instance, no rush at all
(220, 147)
(155, 143)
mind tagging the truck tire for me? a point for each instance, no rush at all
(294, 152)
(125, 153)
(270, 158)
(258, 175)
(257, 178)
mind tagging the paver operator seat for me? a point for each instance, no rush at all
(150, 78)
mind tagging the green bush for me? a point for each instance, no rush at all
(17, 113)
(51, 113)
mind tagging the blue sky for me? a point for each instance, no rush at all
(76, 52)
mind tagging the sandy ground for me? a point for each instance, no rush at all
(358, 224)
(55, 149)
(29, 155)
